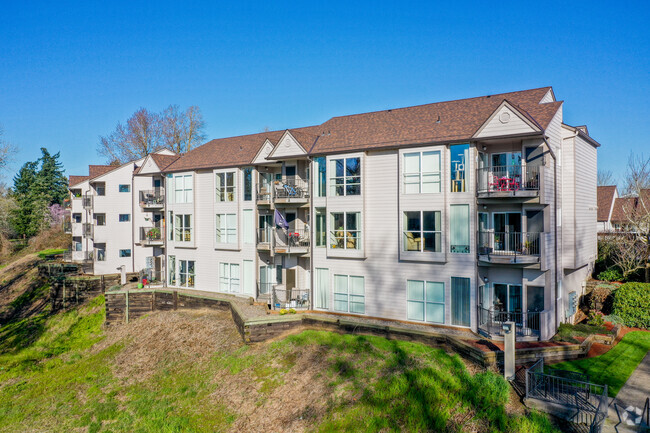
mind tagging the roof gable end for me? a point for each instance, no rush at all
(506, 120)
(287, 146)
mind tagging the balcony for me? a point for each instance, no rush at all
(511, 181)
(67, 227)
(264, 194)
(509, 248)
(79, 256)
(528, 324)
(87, 230)
(151, 236)
(291, 191)
(282, 241)
(152, 199)
(87, 201)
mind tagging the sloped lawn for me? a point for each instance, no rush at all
(74, 376)
(614, 367)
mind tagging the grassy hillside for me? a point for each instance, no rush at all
(189, 372)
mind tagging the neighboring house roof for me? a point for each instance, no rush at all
(97, 170)
(75, 180)
(605, 197)
(626, 207)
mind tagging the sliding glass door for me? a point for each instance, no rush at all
(460, 301)
(507, 231)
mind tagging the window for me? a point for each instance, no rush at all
(345, 176)
(225, 186)
(183, 228)
(322, 288)
(100, 189)
(100, 219)
(124, 217)
(172, 271)
(460, 301)
(248, 277)
(171, 226)
(125, 253)
(226, 228)
(421, 172)
(422, 231)
(321, 224)
(76, 217)
(183, 188)
(425, 301)
(248, 184)
(100, 253)
(459, 228)
(459, 157)
(76, 244)
(249, 230)
(125, 188)
(346, 230)
(321, 176)
(349, 294)
(267, 279)
(229, 277)
(186, 273)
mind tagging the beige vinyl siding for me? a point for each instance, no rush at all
(496, 128)
(585, 203)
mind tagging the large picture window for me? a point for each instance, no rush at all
(225, 186)
(459, 228)
(422, 231)
(421, 172)
(425, 301)
(183, 228)
(229, 277)
(346, 230)
(183, 188)
(349, 294)
(186, 273)
(226, 228)
(345, 176)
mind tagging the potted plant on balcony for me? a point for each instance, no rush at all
(153, 233)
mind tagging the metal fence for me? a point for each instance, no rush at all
(507, 178)
(509, 244)
(151, 235)
(298, 299)
(150, 277)
(87, 201)
(152, 198)
(528, 323)
(292, 238)
(291, 188)
(569, 389)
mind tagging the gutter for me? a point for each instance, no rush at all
(555, 253)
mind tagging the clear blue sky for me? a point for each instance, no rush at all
(70, 71)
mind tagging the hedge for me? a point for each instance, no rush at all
(632, 304)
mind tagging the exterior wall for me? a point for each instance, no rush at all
(586, 204)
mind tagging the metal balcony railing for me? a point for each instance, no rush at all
(87, 201)
(264, 193)
(298, 299)
(508, 178)
(151, 235)
(509, 244)
(265, 236)
(528, 323)
(291, 188)
(152, 198)
(292, 239)
(87, 230)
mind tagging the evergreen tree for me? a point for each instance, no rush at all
(51, 177)
(28, 200)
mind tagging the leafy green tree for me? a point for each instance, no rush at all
(51, 178)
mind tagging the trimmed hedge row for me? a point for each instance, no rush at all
(632, 304)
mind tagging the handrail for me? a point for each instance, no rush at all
(288, 188)
(154, 197)
(528, 323)
(509, 243)
(508, 178)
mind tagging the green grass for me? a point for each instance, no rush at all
(568, 333)
(614, 367)
(51, 379)
(50, 252)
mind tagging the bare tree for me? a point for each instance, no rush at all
(632, 250)
(181, 131)
(605, 177)
(146, 131)
(7, 151)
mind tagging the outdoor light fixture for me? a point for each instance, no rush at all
(485, 279)
(484, 147)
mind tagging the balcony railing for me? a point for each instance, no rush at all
(87, 230)
(527, 324)
(151, 236)
(265, 289)
(292, 240)
(87, 201)
(291, 189)
(265, 236)
(298, 299)
(78, 256)
(152, 198)
(510, 244)
(509, 179)
(264, 193)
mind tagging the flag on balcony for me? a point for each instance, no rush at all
(280, 221)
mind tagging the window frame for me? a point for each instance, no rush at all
(421, 231)
(226, 218)
(456, 249)
(421, 174)
(229, 279)
(345, 183)
(425, 302)
(124, 220)
(125, 253)
(182, 230)
(103, 216)
(188, 276)
(224, 191)
(121, 187)
(334, 240)
(185, 194)
(340, 296)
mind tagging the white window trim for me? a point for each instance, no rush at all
(186, 273)
(359, 231)
(224, 217)
(181, 229)
(347, 294)
(420, 174)
(425, 302)
(331, 176)
(230, 278)
(226, 188)
(421, 231)
(185, 189)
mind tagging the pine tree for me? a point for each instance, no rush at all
(51, 177)
(26, 210)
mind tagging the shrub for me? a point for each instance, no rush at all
(292, 311)
(632, 304)
(283, 312)
(595, 319)
(611, 274)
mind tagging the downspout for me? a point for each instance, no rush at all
(132, 225)
(550, 150)
(87, 221)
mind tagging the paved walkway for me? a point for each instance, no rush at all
(630, 400)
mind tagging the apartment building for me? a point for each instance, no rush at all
(463, 213)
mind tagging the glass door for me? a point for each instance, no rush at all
(507, 231)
